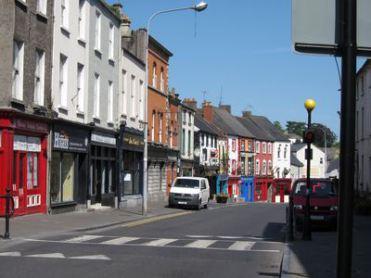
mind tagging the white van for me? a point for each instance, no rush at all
(190, 192)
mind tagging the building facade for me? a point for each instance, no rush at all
(317, 166)
(25, 66)
(187, 140)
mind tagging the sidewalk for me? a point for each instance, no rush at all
(41, 225)
(317, 258)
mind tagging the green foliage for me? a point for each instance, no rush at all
(320, 131)
(295, 127)
(278, 125)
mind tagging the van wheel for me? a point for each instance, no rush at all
(205, 206)
(199, 205)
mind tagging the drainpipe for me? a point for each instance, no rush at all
(119, 163)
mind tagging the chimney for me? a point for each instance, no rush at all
(117, 7)
(225, 107)
(246, 114)
(125, 26)
(191, 102)
(207, 111)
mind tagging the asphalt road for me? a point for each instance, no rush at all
(238, 241)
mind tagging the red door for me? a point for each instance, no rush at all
(19, 181)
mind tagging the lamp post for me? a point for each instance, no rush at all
(309, 105)
(197, 8)
(325, 138)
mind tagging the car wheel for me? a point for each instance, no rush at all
(205, 206)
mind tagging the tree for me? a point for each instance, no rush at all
(278, 125)
(319, 135)
(295, 127)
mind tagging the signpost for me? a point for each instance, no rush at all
(330, 27)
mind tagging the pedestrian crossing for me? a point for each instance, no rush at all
(225, 244)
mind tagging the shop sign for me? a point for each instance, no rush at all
(27, 144)
(133, 140)
(68, 140)
(104, 139)
(31, 125)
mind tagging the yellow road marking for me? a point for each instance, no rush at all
(155, 219)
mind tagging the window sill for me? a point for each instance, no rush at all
(110, 123)
(111, 61)
(80, 114)
(81, 41)
(98, 52)
(62, 109)
(132, 119)
(42, 16)
(23, 3)
(96, 119)
(65, 31)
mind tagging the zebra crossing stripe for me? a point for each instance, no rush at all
(91, 257)
(10, 254)
(160, 242)
(119, 240)
(241, 245)
(81, 239)
(49, 256)
(201, 243)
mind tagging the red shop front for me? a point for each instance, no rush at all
(262, 185)
(23, 162)
(234, 184)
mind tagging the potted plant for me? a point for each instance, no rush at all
(222, 198)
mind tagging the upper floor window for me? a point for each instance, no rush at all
(269, 167)
(63, 71)
(39, 77)
(82, 19)
(97, 43)
(257, 167)
(269, 148)
(279, 151)
(189, 143)
(96, 96)
(153, 126)
(111, 42)
(233, 145)
(64, 13)
(257, 148)
(285, 152)
(264, 147)
(141, 98)
(132, 95)
(154, 76)
(264, 171)
(124, 93)
(162, 80)
(41, 6)
(17, 78)
(110, 102)
(80, 87)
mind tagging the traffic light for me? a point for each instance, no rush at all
(309, 136)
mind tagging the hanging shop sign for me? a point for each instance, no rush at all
(26, 143)
(31, 125)
(103, 138)
(133, 142)
(69, 139)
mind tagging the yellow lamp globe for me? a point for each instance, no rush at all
(310, 104)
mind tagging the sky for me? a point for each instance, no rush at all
(240, 52)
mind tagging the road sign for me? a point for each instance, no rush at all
(315, 27)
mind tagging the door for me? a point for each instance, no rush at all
(204, 192)
(19, 182)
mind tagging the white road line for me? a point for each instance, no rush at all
(200, 243)
(199, 236)
(81, 239)
(230, 237)
(119, 240)
(160, 242)
(10, 254)
(241, 246)
(50, 255)
(91, 257)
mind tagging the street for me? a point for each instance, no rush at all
(236, 241)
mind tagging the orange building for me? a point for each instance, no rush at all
(161, 117)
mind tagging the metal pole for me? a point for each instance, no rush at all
(307, 233)
(7, 213)
(347, 140)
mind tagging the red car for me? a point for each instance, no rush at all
(323, 202)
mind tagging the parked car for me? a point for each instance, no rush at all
(323, 202)
(189, 192)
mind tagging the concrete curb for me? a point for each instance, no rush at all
(285, 265)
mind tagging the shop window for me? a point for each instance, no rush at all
(32, 167)
(62, 177)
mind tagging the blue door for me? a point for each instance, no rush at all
(247, 189)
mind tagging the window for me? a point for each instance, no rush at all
(82, 19)
(264, 167)
(153, 126)
(162, 81)
(257, 168)
(63, 80)
(96, 96)
(110, 102)
(39, 78)
(257, 147)
(264, 147)
(111, 42)
(269, 167)
(62, 177)
(184, 117)
(64, 13)
(183, 141)
(201, 140)
(279, 151)
(321, 160)
(205, 140)
(171, 138)
(270, 148)
(154, 76)
(160, 129)
(285, 152)
(32, 173)
(124, 93)
(141, 98)
(80, 88)
(132, 96)
(41, 6)
(233, 145)
(189, 143)
(362, 122)
(97, 30)
(17, 79)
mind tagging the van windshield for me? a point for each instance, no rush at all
(319, 188)
(188, 183)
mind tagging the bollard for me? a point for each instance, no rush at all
(291, 220)
(7, 213)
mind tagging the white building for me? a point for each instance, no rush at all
(317, 167)
(187, 140)
(363, 129)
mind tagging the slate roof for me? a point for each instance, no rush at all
(204, 126)
(297, 146)
(255, 128)
(269, 127)
(333, 165)
(295, 161)
(229, 124)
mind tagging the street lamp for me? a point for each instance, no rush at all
(325, 138)
(197, 8)
(309, 105)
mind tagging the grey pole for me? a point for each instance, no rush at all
(347, 139)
